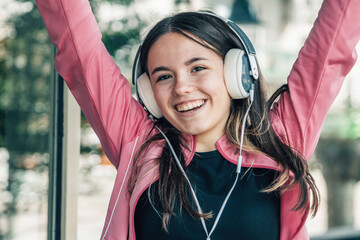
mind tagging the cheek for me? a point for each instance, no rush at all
(222, 93)
(161, 96)
(218, 85)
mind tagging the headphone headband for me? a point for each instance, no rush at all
(248, 47)
(136, 72)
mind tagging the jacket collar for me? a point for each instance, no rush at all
(231, 153)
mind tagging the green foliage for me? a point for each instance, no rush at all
(115, 40)
(25, 86)
(116, 2)
(343, 126)
(178, 2)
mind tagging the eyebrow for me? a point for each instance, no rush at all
(192, 60)
(187, 63)
(158, 69)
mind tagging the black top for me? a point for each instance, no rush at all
(249, 213)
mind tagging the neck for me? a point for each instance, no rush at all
(206, 143)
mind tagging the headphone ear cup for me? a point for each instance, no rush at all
(237, 73)
(146, 95)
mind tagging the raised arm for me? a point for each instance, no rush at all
(102, 92)
(317, 75)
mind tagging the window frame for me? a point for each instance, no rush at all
(64, 161)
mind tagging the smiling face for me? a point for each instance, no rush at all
(189, 87)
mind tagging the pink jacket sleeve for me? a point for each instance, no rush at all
(317, 75)
(102, 92)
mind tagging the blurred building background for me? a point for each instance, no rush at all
(31, 175)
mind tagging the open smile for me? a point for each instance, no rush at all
(190, 106)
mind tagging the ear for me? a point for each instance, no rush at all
(237, 73)
(146, 95)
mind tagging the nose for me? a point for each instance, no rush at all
(183, 85)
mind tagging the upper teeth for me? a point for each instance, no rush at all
(189, 106)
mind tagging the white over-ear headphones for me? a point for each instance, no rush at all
(240, 71)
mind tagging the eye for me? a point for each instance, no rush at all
(163, 77)
(197, 69)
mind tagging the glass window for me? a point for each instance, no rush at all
(25, 66)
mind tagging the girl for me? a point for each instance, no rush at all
(209, 157)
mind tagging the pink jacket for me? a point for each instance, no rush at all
(122, 125)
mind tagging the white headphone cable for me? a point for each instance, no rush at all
(238, 170)
(187, 179)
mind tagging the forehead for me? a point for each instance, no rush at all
(172, 47)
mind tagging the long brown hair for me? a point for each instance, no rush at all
(260, 137)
